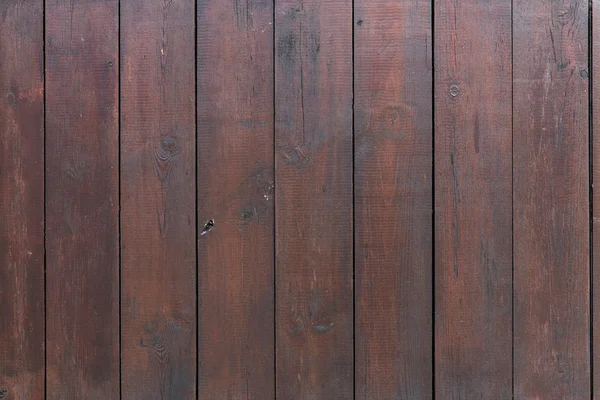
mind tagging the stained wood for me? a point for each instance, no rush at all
(21, 200)
(235, 199)
(82, 199)
(551, 209)
(595, 138)
(473, 207)
(393, 199)
(313, 195)
(158, 162)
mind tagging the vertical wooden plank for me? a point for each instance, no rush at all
(393, 199)
(158, 199)
(551, 208)
(235, 199)
(21, 200)
(82, 199)
(473, 208)
(595, 137)
(314, 220)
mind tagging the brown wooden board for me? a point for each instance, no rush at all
(235, 199)
(314, 220)
(393, 199)
(595, 138)
(473, 204)
(158, 199)
(82, 199)
(21, 200)
(551, 193)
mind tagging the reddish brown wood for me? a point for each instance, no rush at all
(551, 193)
(313, 86)
(158, 199)
(393, 199)
(21, 200)
(235, 199)
(595, 137)
(473, 208)
(82, 199)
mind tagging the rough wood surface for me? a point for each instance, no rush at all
(235, 199)
(473, 207)
(595, 138)
(21, 200)
(551, 194)
(313, 195)
(82, 208)
(393, 199)
(158, 224)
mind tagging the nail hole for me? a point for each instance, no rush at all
(208, 225)
(360, 22)
(110, 63)
(454, 90)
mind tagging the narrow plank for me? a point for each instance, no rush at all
(473, 205)
(21, 200)
(393, 199)
(595, 138)
(313, 195)
(551, 193)
(82, 199)
(235, 199)
(158, 199)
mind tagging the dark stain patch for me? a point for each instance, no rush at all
(584, 74)
(313, 47)
(562, 65)
(248, 213)
(253, 124)
(296, 328)
(3, 392)
(75, 170)
(293, 12)
(11, 99)
(287, 47)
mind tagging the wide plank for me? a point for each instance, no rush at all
(551, 200)
(473, 200)
(158, 199)
(82, 199)
(21, 200)
(393, 199)
(235, 199)
(313, 197)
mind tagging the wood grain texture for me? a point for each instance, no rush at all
(551, 209)
(21, 200)
(235, 193)
(314, 220)
(473, 208)
(595, 138)
(82, 199)
(393, 199)
(158, 198)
